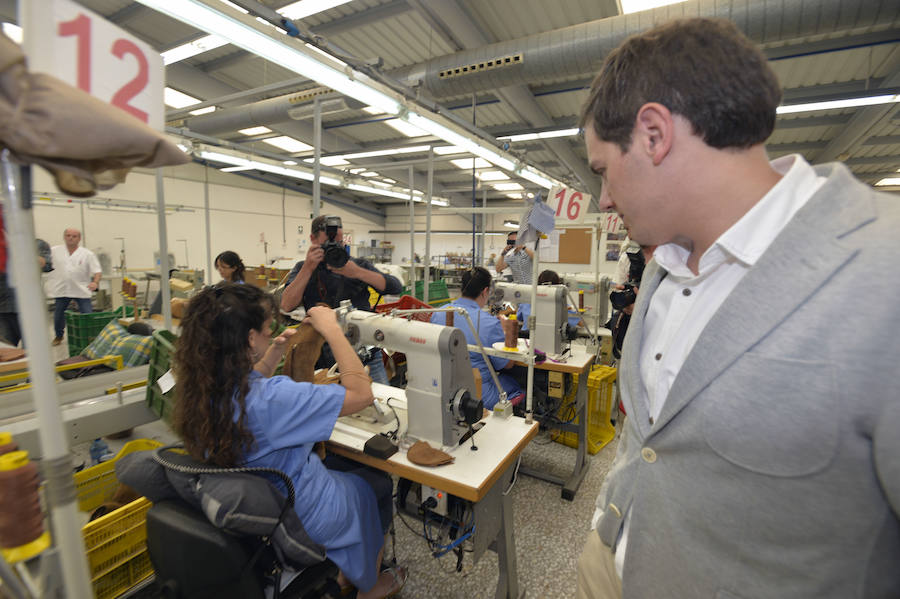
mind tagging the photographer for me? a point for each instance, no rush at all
(623, 298)
(518, 258)
(329, 275)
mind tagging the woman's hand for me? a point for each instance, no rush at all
(280, 342)
(323, 319)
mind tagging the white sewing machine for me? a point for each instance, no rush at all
(440, 391)
(550, 312)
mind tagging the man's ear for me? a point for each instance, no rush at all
(654, 130)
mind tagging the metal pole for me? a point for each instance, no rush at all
(209, 256)
(412, 238)
(428, 197)
(317, 157)
(483, 218)
(532, 322)
(56, 463)
(163, 250)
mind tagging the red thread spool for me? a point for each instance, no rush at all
(21, 519)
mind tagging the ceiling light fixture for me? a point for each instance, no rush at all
(250, 161)
(376, 153)
(288, 144)
(510, 224)
(630, 6)
(235, 169)
(540, 135)
(888, 181)
(13, 32)
(305, 8)
(834, 104)
(507, 186)
(255, 130)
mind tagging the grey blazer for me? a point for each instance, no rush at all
(774, 468)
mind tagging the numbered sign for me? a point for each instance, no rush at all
(570, 205)
(86, 51)
(610, 222)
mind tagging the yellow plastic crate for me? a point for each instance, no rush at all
(116, 543)
(601, 401)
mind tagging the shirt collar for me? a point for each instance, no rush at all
(748, 238)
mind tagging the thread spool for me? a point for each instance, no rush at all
(581, 300)
(450, 316)
(7, 444)
(511, 333)
(22, 532)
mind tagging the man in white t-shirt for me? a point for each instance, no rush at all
(760, 453)
(76, 276)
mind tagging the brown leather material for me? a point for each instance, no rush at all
(84, 142)
(303, 350)
(179, 307)
(423, 454)
(8, 354)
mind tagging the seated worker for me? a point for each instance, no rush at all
(547, 277)
(316, 280)
(230, 266)
(476, 285)
(232, 412)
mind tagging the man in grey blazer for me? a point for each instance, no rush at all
(761, 454)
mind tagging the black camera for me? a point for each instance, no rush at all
(335, 255)
(510, 242)
(626, 297)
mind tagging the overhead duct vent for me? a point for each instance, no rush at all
(479, 67)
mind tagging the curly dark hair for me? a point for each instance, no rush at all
(229, 258)
(705, 70)
(212, 366)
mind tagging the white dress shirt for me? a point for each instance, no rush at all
(684, 303)
(71, 272)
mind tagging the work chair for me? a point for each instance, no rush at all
(225, 533)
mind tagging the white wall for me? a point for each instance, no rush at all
(240, 211)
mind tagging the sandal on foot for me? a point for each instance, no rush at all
(400, 575)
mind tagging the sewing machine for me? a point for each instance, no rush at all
(440, 387)
(550, 311)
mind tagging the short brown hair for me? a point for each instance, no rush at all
(705, 70)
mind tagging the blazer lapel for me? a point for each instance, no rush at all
(800, 260)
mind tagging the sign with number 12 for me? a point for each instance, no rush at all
(570, 205)
(83, 49)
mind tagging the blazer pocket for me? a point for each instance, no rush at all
(773, 416)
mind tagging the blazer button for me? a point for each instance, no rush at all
(649, 455)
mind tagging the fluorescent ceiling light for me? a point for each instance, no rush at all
(457, 139)
(305, 8)
(206, 110)
(375, 153)
(404, 128)
(515, 196)
(541, 135)
(506, 186)
(177, 99)
(510, 224)
(282, 52)
(368, 174)
(466, 163)
(833, 104)
(446, 150)
(630, 6)
(328, 161)
(290, 162)
(372, 110)
(288, 144)
(13, 32)
(492, 176)
(536, 177)
(377, 191)
(255, 130)
(261, 164)
(888, 181)
(185, 51)
(235, 169)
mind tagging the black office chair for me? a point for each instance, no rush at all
(224, 533)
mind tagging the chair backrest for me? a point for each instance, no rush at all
(194, 559)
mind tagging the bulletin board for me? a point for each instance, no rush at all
(575, 246)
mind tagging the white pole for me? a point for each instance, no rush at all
(56, 463)
(317, 158)
(412, 238)
(163, 250)
(209, 256)
(430, 190)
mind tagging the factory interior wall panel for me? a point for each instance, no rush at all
(238, 216)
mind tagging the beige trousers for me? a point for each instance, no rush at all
(597, 577)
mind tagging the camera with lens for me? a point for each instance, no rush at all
(626, 297)
(335, 255)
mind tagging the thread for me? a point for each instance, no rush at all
(511, 333)
(581, 300)
(450, 319)
(21, 519)
(7, 444)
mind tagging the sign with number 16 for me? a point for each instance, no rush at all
(86, 51)
(570, 205)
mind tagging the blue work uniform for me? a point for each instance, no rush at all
(338, 510)
(490, 331)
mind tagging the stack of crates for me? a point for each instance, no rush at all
(116, 543)
(161, 352)
(600, 404)
(437, 292)
(81, 329)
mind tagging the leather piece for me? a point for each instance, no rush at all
(423, 454)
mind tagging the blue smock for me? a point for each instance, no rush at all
(490, 331)
(337, 509)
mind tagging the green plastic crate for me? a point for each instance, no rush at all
(161, 352)
(437, 292)
(81, 329)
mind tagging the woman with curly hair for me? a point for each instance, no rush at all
(231, 411)
(230, 266)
